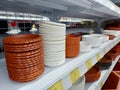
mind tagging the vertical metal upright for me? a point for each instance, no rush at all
(54, 17)
(99, 26)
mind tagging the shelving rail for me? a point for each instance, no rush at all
(62, 77)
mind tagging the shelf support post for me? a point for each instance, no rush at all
(99, 26)
(54, 17)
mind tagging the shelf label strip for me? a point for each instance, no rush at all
(74, 75)
(101, 84)
(98, 56)
(104, 50)
(57, 86)
(88, 64)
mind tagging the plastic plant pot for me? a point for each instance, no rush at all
(73, 35)
(111, 32)
(112, 83)
(104, 37)
(113, 54)
(93, 74)
(72, 45)
(115, 28)
(85, 47)
(105, 62)
(95, 41)
(117, 48)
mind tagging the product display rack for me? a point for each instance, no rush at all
(62, 77)
(73, 69)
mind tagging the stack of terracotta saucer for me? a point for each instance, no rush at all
(24, 56)
(54, 42)
(93, 74)
(72, 45)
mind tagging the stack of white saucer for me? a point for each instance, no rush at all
(54, 42)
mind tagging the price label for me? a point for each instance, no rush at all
(111, 45)
(109, 71)
(98, 56)
(105, 51)
(57, 86)
(101, 84)
(88, 64)
(114, 42)
(74, 75)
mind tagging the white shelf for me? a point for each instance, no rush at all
(97, 85)
(20, 16)
(83, 63)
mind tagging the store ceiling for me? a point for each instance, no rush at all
(73, 8)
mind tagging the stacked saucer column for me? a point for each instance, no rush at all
(54, 42)
(24, 56)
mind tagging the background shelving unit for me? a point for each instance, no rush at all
(64, 75)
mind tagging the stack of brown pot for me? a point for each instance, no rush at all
(72, 45)
(24, 56)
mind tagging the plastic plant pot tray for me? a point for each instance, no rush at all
(93, 74)
(112, 83)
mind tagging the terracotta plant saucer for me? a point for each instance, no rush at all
(93, 74)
